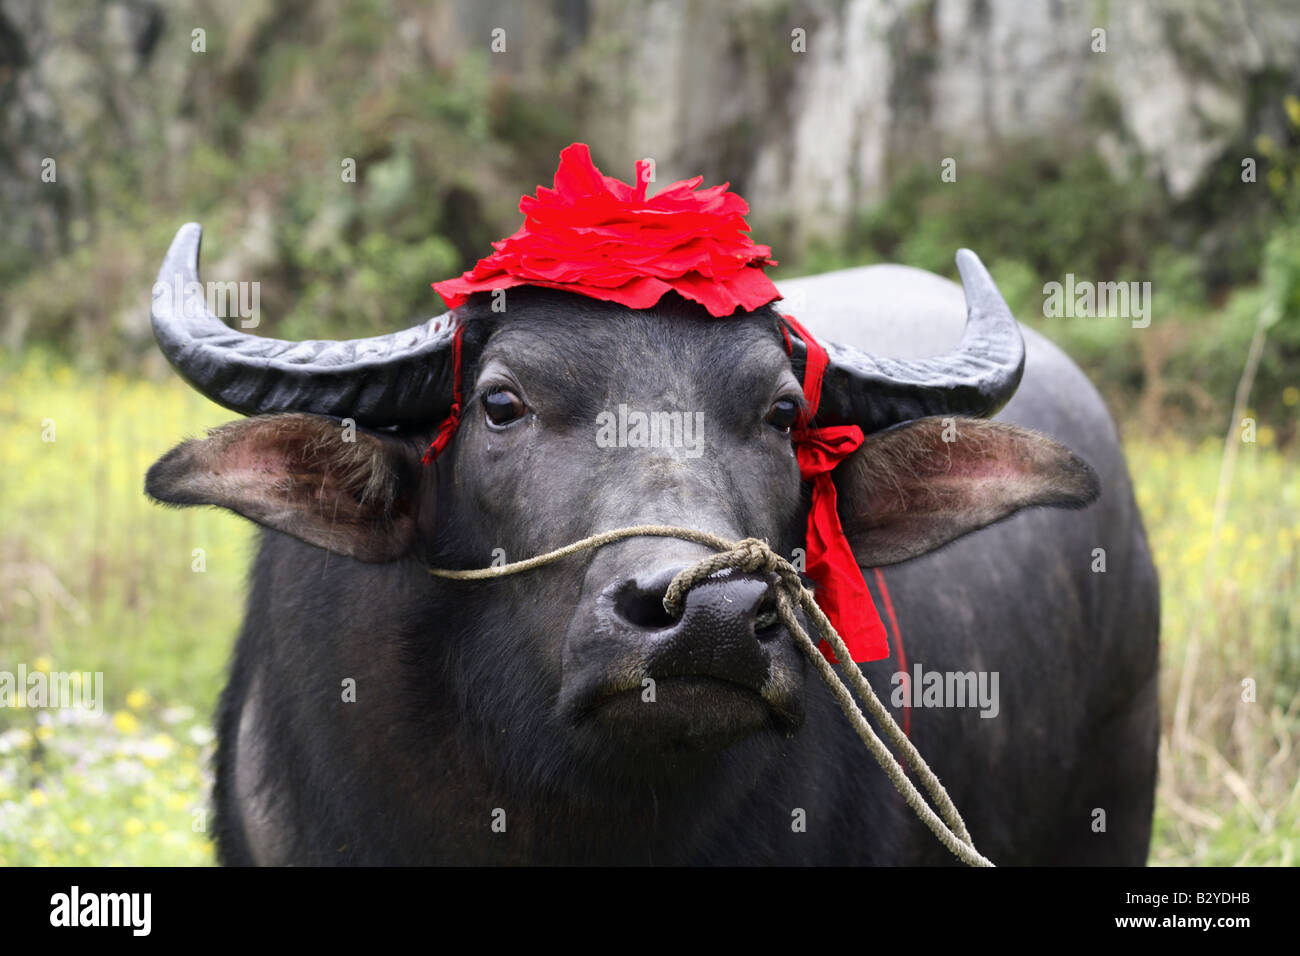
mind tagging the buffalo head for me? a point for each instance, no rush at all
(563, 397)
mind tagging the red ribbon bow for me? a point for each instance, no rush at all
(841, 593)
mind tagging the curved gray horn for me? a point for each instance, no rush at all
(975, 379)
(402, 378)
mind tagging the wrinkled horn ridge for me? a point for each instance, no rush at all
(403, 378)
(975, 379)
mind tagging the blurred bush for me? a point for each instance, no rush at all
(264, 122)
(1035, 215)
(250, 138)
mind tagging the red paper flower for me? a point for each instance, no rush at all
(600, 237)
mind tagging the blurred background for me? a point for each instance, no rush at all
(1136, 142)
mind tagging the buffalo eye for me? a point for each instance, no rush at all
(783, 414)
(503, 406)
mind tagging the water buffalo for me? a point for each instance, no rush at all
(376, 714)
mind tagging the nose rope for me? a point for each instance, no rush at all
(755, 556)
(750, 555)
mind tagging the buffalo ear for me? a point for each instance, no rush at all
(342, 489)
(917, 486)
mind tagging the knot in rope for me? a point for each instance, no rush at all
(750, 555)
(753, 555)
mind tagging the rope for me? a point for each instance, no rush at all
(754, 556)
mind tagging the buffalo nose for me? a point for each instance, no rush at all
(718, 601)
(725, 620)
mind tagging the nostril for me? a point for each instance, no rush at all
(642, 605)
(766, 621)
(639, 602)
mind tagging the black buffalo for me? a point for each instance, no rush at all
(505, 722)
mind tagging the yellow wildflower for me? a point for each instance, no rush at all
(1292, 105)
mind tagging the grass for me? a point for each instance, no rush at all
(93, 577)
(1229, 789)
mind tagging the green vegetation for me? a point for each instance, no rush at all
(1215, 262)
(443, 147)
(1229, 790)
(94, 577)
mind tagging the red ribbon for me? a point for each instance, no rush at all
(841, 592)
(452, 421)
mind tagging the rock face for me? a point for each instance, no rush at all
(807, 106)
(1161, 87)
(73, 79)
